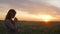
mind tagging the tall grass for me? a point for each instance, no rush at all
(25, 27)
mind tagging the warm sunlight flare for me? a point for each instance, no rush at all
(46, 18)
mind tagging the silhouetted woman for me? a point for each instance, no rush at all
(11, 22)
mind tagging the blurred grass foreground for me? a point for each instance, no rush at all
(34, 27)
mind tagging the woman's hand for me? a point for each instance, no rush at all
(15, 19)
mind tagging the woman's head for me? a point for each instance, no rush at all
(11, 14)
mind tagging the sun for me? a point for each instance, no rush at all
(45, 18)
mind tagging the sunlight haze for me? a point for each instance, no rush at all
(32, 10)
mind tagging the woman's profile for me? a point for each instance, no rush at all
(11, 22)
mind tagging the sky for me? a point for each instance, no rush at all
(31, 9)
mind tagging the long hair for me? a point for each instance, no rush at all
(11, 13)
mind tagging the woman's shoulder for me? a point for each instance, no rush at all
(7, 20)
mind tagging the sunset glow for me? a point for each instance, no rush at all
(32, 10)
(46, 18)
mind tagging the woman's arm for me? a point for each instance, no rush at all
(16, 24)
(9, 24)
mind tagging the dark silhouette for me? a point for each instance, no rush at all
(11, 22)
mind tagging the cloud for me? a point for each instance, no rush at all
(31, 6)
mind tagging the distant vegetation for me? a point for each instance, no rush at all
(34, 27)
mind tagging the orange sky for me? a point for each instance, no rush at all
(31, 9)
